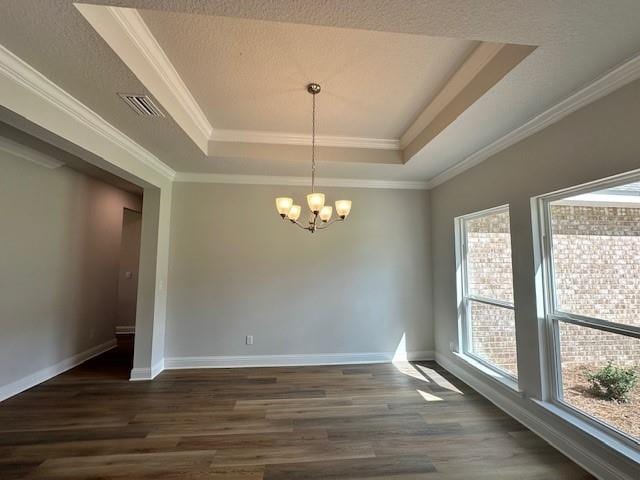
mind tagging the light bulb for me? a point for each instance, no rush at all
(315, 201)
(343, 207)
(283, 204)
(294, 212)
(325, 213)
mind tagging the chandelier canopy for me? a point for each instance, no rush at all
(320, 214)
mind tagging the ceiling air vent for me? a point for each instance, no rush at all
(141, 104)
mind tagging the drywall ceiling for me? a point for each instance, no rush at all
(250, 74)
(250, 77)
(576, 42)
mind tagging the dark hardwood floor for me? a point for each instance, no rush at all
(336, 422)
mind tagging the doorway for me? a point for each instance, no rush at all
(128, 284)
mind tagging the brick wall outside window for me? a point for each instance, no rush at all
(597, 265)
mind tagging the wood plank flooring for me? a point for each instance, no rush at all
(407, 422)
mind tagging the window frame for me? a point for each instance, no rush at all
(551, 352)
(465, 297)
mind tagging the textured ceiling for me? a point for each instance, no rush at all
(250, 74)
(577, 41)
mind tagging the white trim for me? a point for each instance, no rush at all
(509, 402)
(132, 23)
(22, 74)
(45, 374)
(601, 200)
(552, 314)
(27, 153)
(618, 77)
(125, 329)
(465, 297)
(461, 78)
(156, 70)
(141, 374)
(493, 373)
(284, 138)
(297, 181)
(229, 361)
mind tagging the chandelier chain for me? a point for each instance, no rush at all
(313, 145)
(321, 213)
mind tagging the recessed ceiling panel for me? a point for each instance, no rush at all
(250, 74)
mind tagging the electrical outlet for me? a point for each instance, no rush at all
(249, 339)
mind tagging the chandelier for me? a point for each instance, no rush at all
(320, 214)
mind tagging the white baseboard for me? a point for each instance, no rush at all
(141, 374)
(45, 374)
(589, 458)
(225, 361)
(125, 329)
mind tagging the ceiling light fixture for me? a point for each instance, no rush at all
(315, 200)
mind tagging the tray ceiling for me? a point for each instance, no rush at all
(231, 83)
(516, 92)
(251, 74)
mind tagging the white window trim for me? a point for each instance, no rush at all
(550, 343)
(464, 304)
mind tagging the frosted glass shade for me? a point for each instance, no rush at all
(294, 212)
(315, 201)
(283, 204)
(325, 213)
(343, 207)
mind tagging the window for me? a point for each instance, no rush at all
(591, 243)
(486, 290)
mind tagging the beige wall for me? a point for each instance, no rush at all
(237, 269)
(60, 240)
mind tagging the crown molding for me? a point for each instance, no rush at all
(147, 60)
(614, 79)
(21, 73)
(132, 23)
(283, 138)
(297, 181)
(26, 153)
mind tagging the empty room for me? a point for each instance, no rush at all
(319, 240)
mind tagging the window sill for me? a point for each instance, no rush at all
(488, 372)
(595, 431)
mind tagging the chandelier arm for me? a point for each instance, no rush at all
(328, 224)
(297, 223)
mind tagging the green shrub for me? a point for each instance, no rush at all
(613, 383)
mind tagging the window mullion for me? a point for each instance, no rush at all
(598, 324)
(491, 301)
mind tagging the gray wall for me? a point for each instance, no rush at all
(129, 264)
(237, 269)
(60, 237)
(597, 141)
